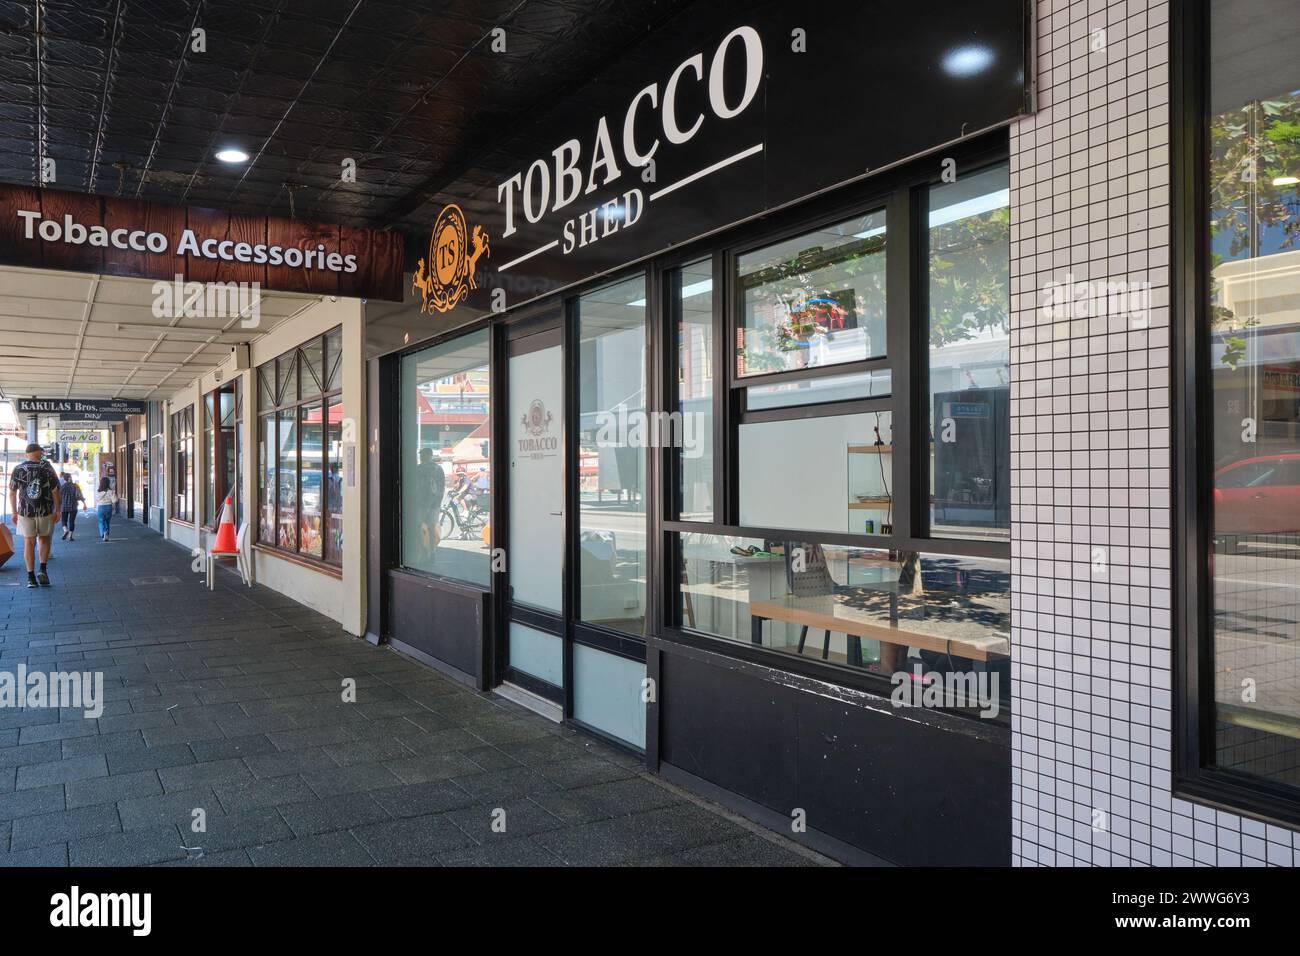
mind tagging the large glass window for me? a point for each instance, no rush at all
(221, 447)
(829, 473)
(969, 372)
(446, 470)
(182, 441)
(691, 291)
(1251, 383)
(815, 300)
(942, 618)
(300, 488)
(614, 431)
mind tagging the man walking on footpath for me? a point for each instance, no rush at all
(34, 500)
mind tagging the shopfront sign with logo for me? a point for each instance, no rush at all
(725, 114)
(86, 408)
(53, 229)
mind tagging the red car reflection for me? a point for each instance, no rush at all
(1258, 496)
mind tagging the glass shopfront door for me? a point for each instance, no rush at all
(533, 641)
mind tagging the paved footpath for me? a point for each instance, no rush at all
(227, 707)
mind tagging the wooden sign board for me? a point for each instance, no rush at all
(53, 229)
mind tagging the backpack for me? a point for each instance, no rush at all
(36, 484)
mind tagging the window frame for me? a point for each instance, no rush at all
(484, 327)
(901, 193)
(289, 401)
(1194, 775)
(182, 431)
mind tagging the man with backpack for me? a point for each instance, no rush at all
(34, 500)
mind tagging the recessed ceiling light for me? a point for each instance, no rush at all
(232, 156)
(967, 60)
(1286, 181)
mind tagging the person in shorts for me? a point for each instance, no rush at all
(34, 500)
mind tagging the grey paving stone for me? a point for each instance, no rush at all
(420, 799)
(746, 851)
(123, 786)
(26, 803)
(326, 849)
(362, 776)
(332, 813)
(521, 852)
(63, 826)
(254, 794)
(31, 753)
(520, 817)
(61, 771)
(58, 731)
(8, 777)
(176, 808)
(231, 747)
(54, 854)
(310, 737)
(239, 830)
(103, 743)
(412, 838)
(188, 776)
(150, 758)
(601, 801)
(441, 766)
(504, 784)
(225, 858)
(281, 763)
(367, 751)
(133, 848)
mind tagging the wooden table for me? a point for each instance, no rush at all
(832, 614)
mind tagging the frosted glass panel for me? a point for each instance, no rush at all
(607, 693)
(536, 419)
(537, 653)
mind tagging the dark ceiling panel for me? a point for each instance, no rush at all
(113, 91)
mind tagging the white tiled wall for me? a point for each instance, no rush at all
(1092, 670)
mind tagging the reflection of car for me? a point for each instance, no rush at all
(1258, 495)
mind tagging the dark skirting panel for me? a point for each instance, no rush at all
(913, 788)
(444, 622)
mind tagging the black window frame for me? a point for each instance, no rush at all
(902, 194)
(1194, 775)
(182, 431)
(289, 402)
(221, 447)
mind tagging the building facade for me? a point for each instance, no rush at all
(909, 461)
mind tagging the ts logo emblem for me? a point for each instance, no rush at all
(447, 276)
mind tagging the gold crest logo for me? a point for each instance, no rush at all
(447, 276)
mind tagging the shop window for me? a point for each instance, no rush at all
(815, 391)
(1242, 583)
(222, 423)
(691, 299)
(614, 431)
(815, 300)
(844, 471)
(182, 442)
(446, 469)
(300, 499)
(968, 373)
(829, 473)
(927, 621)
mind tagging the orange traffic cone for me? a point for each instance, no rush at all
(226, 531)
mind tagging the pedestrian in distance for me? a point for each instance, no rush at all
(34, 500)
(70, 494)
(105, 501)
